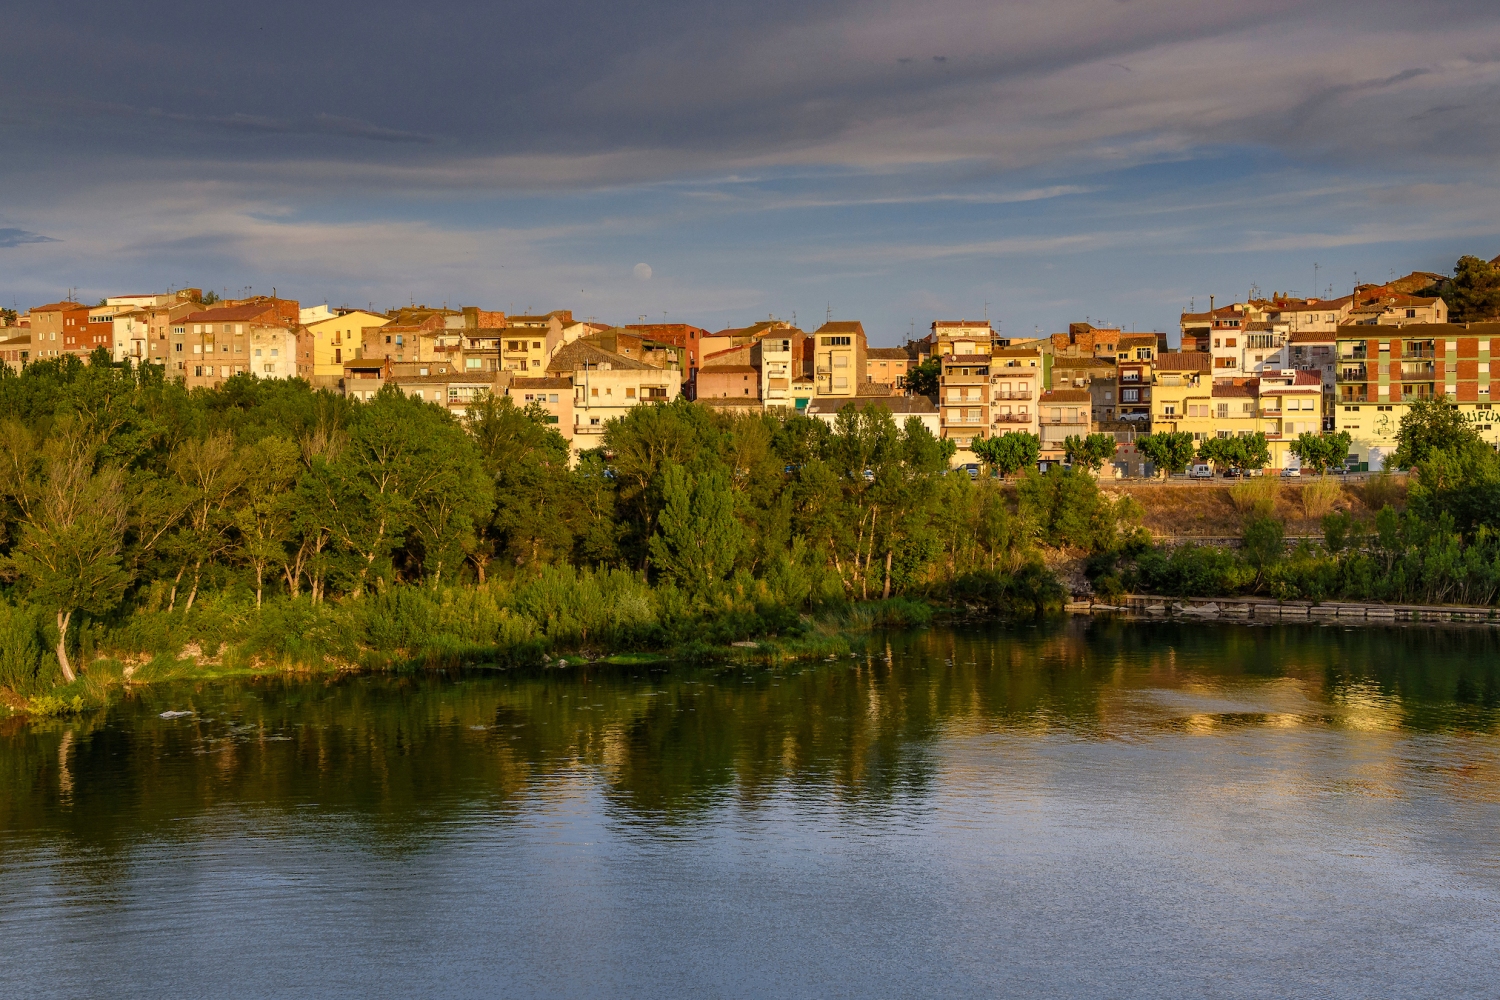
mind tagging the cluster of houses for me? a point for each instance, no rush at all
(1276, 365)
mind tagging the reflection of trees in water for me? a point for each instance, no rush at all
(396, 755)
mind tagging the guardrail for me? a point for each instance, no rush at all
(1270, 609)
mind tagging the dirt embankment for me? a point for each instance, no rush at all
(1219, 510)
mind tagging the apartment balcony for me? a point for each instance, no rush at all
(1350, 396)
(1012, 394)
(1012, 418)
(1418, 350)
(1420, 370)
(981, 378)
(1354, 373)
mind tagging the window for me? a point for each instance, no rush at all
(1223, 409)
(274, 352)
(841, 383)
(630, 392)
(257, 352)
(594, 392)
(841, 361)
(537, 344)
(836, 341)
(473, 364)
(1072, 415)
(197, 348)
(551, 397)
(1128, 395)
(1169, 410)
(1057, 414)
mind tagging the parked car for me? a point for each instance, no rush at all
(1291, 473)
(1232, 474)
(972, 468)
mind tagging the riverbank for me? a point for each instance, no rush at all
(829, 635)
(1155, 607)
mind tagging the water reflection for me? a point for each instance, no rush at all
(666, 745)
(1076, 808)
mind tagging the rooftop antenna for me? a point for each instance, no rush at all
(828, 316)
(986, 310)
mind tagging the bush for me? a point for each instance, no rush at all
(27, 667)
(1256, 497)
(1319, 495)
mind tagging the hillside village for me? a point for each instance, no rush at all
(1271, 368)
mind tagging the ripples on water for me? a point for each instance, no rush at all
(1076, 809)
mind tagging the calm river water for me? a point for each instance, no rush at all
(1071, 809)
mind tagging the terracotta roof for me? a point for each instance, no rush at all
(1066, 396)
(730, 402)
(843, 326)
(906, 405)
(1137, 338)
(728, 370)
(1228, 390)
(873, 389)
(541, 383)
(1184, 361)
(1312, 337)
(579, 354)
(727, 350)
(888, 353)
(440, 379)
(233, 314)
(58, 307)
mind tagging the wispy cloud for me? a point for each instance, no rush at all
(18, 237)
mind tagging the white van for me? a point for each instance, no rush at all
(1200, 471)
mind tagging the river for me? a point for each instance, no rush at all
(1077, 808)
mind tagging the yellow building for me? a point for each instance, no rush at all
(1181, 394)
(323, 346)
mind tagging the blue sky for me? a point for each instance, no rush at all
(895, 162)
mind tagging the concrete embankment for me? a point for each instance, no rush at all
(1262, 609)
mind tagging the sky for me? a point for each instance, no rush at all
(896, 162)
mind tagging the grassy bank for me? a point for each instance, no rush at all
(557, 617)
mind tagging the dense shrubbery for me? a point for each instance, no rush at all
(139, 517)
(1443, 549)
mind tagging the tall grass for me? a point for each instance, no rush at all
(1255, 497)
(1319, 495)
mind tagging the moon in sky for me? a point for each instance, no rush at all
(642, 272)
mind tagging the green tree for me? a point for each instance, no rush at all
(1320, 452)
(1263, 544)
(1170, 451)
(922, 379)
(266, 514)
(1430, 426)
(1474, 293)
(70, 542)
(698, 536)
(1008, 454)
(1091, 451)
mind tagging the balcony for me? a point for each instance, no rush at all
(1350, 396)
(1012, 418)
(1360, 353)
(1354, 373)
(1014, 394)
(981, 377)
(1418, 349)
(1422, 370)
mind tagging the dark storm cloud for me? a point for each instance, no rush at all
(18, 237)
(850, 82)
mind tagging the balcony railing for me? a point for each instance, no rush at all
(1418, 350)
(1354, 373)
(1012, 394)
(1417, 369)
(1012, 418)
